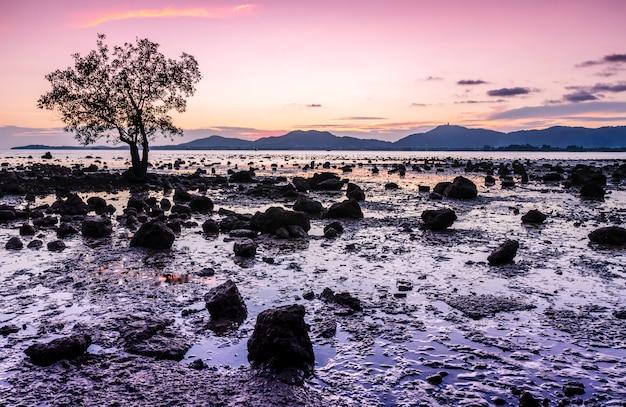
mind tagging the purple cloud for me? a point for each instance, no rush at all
(464, 82)
(581, 96)
(505, 92)
(314, 105)
(607, 59)
(601, 87)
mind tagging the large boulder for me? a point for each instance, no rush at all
(242, 177)
(355, 192)
(461, 188)
(224, 302)
(307, 205)
(97, 204)
(153, 235)
(585, 174)
(201, 204)
(14, 243)
(612, 235)
(245, 248)
(280, 341)
(438, 219)
(44, 354)
(533, 216)
(346, 209)
(276, 217)
(72, 205)
(504, 253)
(326, 181)
(96, 227)
(592, 190)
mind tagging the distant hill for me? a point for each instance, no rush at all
(445, 137)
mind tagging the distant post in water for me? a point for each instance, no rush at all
(123, 95)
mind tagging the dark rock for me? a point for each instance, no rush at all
(181, 209)
(242, 177)
(423, 188)
(211, 227)
(245, 248)
(181, 195)
(552, 177)
(490, 181)
(239, 233)
(355, 192)
(282, 233)
(391, 185)
(434, 196)
(153, 235)
(346, 209)
(620, 314)
(56, 246)
(45, 221)
(280, 341)
(309, 295)
(573, 389)
(277, 217)
(592, 190)
(44, 354)
(97, 204)
(27, 230)
(35, 244)
(225, 302)
(207, 272)
(301, 184)
(585, 174)
(201, 204)
(441, 187)
(434, 379)
(7, 215)
(66, 229)
(14, 243)
(326, 181)
(612, 235)
(307, 205)
(96, 227)
(6, 330)
(438, 219)
(47, 156)
(72, 205)
(507, 182)
(527, 400)
(504, 253)
(165, 204)
(137, 202)
(533, 216)
(150, 337)
(344, 299)
(333, 229)
(461, 188)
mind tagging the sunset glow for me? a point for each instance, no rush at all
(373, 71)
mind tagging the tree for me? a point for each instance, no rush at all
(124, 95)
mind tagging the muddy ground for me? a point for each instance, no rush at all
(439, 325)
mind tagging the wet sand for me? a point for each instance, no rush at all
(439, 325)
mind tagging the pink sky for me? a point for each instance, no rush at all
(368, 69)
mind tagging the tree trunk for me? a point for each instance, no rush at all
(137, 168)
(144, 158)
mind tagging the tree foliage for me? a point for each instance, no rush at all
(124, 95)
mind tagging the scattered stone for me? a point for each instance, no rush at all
(27, 230)
(461, 188)
(14, 243)
(280, 342)
(44, 354)
(211, 227)
(423, 188)
(504, 253)
(326, 181)
(344, 299)
(153, 235)
(435, 379)
(391, 185)
(56, 246)
(181, 195)
(35, 244)
(47, 156)
(533, 216)
(585, 174)
(490, 181)
(355, 192)
(573, 389)
(309, 295)
(239, 233)
(6, 330)
(611, 235)
(277, 217)
(333, 229)
(307, 205)
(242, 177)
(97, 204)
(245, 248)
(438, 219)
(224, 302)
(72, 205)
(7, 215)
(592, 190)
(66, 229)
(620, 314)
(484, 305)
(202, 204)
(96, 227)
(151, 337)
(346, 209)
(527, 400)
(301, 184)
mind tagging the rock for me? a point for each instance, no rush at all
(592, 190)
(242, 177)
(346, 209)
(504, 253)
(6, 330)
(224, 302)
(97, 204)
(56, 246)
(27, 230)
(44, 354)
(45, 221)
(344, 299)
(7, 215)
(620, 314)
(245, 248)
(297, 232)
(153, 235)
(461, 188)
(238, 233)
(201, 204)
(96, 227)
(441, 187)
(333, 229)
(35, 244)
(301, 184)
(47, 156)
(277, 217)
(66, 229)
(585, 174)
(533, 216)
(181, 195)
(307, 205)
(573, 389)
(280, 341)
(137, 202)
(326, 181)
(490, 181)
(552, 177)
(14, 243)
(391, 185)
(211, 227)
(355, 192)
(181, 209)
(165, 204)
(612, 235)
(434, 379)
(527, 400)
(72, 205)
(438, 219)
(151, 337)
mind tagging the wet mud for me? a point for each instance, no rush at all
(437, 325)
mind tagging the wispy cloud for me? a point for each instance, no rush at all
(580, 96)
(434, 78)
(466, 82)
(314, 105)
(506, 92)
(475, 102)
(362, 118)
(607, 59)
(595, 92)
(168, 12)
(419, 104)
(562, 110)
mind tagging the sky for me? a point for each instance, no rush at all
(368, 69)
